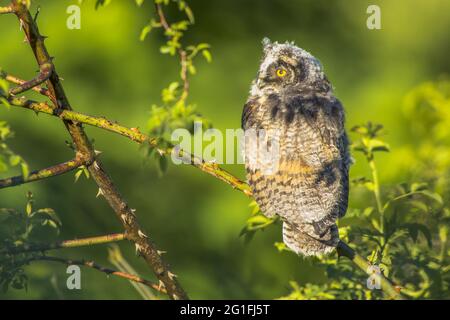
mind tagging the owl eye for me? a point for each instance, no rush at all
(281, 72)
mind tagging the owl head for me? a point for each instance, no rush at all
(284, 65)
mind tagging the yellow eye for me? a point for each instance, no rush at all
(281, 72)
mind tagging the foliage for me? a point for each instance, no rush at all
(21, 229)
(174, 111)
(9, 158)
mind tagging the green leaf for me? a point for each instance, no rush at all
(207, 55)
(139, 2)
(5, 102)
(4, 86)
(51, 215)
(192, 69)
(189, 14)
(146, 30)
(432, 195)
(415, 228)
(14, 160)
(25, 170)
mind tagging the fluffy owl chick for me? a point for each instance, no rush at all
(306, 182)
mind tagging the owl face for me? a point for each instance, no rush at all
(287, 66)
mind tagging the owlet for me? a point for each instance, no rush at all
(298, 164)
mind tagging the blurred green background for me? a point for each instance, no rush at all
(197, 219)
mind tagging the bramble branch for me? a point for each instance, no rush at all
(7, 9)
(45, 71)
(108, 271)
(75, 243)
(20, 82)
(124, 213)
(52, 171)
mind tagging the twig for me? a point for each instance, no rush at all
(124, 213)
(44, 73)
(52, 171)
(108, 271)
(74, 243)
(19, 81)
(7, 9)
(181, 52)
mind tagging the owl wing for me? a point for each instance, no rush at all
(311, 182)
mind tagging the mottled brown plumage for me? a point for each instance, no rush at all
(293, 103)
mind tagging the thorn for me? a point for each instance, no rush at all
(138, 248)
(100, 192)
(160, 151)
(171, 275)
(96, 166)
(161, 285)
(136, 129)
(123, 217)
(141, 234)
(133, 212)
(97, 152)
(160, 252)
(175, 297)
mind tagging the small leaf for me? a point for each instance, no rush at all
(189, 14)
(207, 55)
(146, 30)
(25, 170)
(192, 69)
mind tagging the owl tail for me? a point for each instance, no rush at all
(302, 239)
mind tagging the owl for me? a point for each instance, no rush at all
(305, 182)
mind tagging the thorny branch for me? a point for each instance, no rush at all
(108, 271)
(73, 121)
(45, 71)
(52, 171)
(18, 81)
(125, 214)
(74, 243)
(134, 135)
(8, 9)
